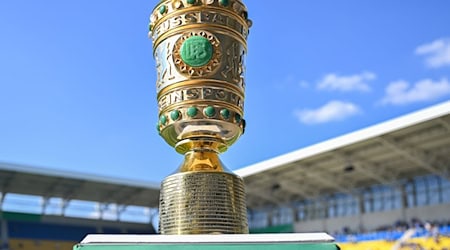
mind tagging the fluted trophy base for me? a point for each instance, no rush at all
(207, 200)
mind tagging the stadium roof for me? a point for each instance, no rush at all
(22, 179)
(412, 145)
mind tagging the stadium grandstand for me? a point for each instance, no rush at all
(51, 210)
(383, 187)
(370, 186)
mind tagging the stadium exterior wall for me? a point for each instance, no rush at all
(372, 221)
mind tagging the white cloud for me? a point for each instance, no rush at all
(358, 82)
(401, 92)
(437, 53)
(332, 111)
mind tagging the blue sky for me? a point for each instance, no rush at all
(77, 79)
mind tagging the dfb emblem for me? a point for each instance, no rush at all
(196, 51)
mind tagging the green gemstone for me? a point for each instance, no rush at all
(157, 127)
(190, 1)
(163, 119)
(209, 111)
(162, 9)
(192, 111)
(175, 115)
(237, 118)
(196, 51)
(225, 113)
(224, 2)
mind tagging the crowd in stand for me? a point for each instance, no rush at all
(401, 232)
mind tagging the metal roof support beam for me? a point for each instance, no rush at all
(412, 155)
(152, 215)
(330, 181)
(2, 198)
(45, 202)
(444, 123)
(101, 208)
(295, 217)
(270, 218)
(368, 170)
(363, 167)
(112, 194)
(52, 187)
(72, 191)
(7, 182)
(294, 188)
(64, 204)
(4, 237)
(361, 209)
(403, 199)
(120, 209)
(128, 198)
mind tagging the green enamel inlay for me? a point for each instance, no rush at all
(190, 1)
(225, 113)
(196, 51)
(192, 111)
(162, 9)
(175, 115)
(224, 2)
(237, 118)
(163, 119)
(209, 111)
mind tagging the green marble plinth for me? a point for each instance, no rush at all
(314, 241)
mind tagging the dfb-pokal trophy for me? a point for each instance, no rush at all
(199, 48)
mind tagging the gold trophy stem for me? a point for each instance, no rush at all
(205, 160)
(201, 155)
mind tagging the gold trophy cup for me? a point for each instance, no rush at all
(199, 48)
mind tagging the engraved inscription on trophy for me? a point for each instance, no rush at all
(200, 17)
(204, 93)
(167, 75)
(234, 68)
(158, 69)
